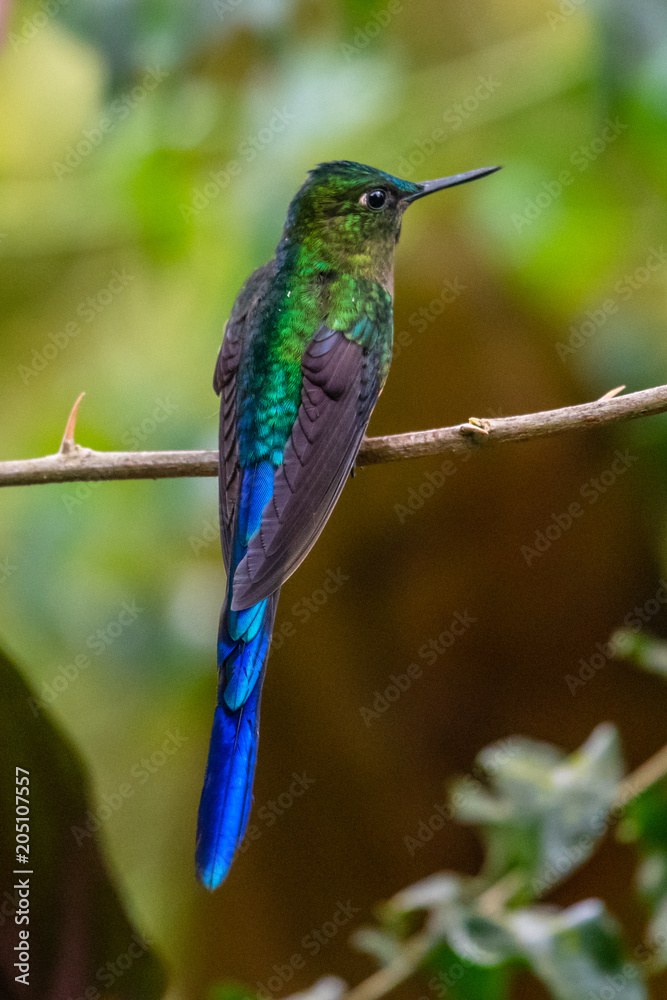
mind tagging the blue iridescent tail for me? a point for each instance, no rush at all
(226, 798)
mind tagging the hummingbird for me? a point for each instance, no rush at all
(305, 355)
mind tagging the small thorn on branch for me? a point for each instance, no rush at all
(475, 428)
(612, 393)
(67, 445)
(76, 464)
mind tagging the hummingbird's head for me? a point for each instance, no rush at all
(349, 215)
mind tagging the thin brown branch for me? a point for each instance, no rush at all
(75, 463)
(401, 968)
(644, 777)
(522, 428)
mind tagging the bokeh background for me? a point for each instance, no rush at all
(148, 151)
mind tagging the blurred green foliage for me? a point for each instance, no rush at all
(540, 816)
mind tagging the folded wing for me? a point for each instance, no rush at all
(340, 386)
(243, 315)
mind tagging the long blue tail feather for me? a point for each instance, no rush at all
(226, 798)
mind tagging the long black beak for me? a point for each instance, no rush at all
(428, 187)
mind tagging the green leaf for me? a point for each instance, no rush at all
(645, 824)
(456, 977)
(455, 916)
(641, 649)
(577, 952)
(231, 990)
(326, 988)
(480, 939)
(542, 812)
(645, 818)
(439, 890)
(379, 944)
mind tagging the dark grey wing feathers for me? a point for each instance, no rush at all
(340, 386)
(243, 315)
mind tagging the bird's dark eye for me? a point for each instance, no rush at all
(375, 199)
